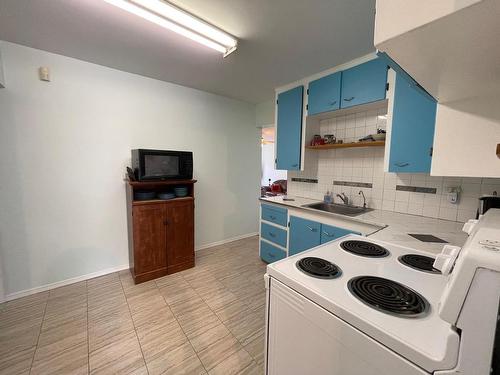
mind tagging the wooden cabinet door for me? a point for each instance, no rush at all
(304, 234)
(149, 238)
(180, 235)
(289, 129)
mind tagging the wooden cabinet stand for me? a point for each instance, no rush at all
(161, 232)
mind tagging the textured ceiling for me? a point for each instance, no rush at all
(280, 40)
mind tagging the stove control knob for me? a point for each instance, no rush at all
(469, 226)
(446, 260)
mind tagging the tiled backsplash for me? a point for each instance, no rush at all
(366, 165)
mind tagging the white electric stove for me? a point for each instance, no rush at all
(361, 306)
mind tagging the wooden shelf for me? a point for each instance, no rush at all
(147, 184)
(156, 201)
(348, 145)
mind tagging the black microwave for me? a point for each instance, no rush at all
(150, 165)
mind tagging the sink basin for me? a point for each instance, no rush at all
(341, 209)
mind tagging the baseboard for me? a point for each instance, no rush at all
(232, 239)
(43, 288)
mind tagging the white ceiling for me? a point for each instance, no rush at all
(280, 40)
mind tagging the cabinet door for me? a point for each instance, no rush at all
(412, 129)
(180, 235)
(304, 234)
(289, 129)
(364, 83)
(330, 233)
(324, 94)
(149, 238)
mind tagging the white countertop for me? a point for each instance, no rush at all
(397, 225)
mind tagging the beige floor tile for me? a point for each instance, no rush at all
(181, 360)
(256, 348)
(121, 357)
(174, 321)
(160, 337)
(17, 362)
(109, 329)
(71, 360)
(233, 364)
(218, 351)
(229, 311)
(209, 337)
(246, 326)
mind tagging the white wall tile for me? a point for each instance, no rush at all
(367, 165)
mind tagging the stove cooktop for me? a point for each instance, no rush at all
(419, 262)
(394, 292)
(364, 249)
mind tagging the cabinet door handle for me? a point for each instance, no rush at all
(272, 234)
(349, 99)
(333, 103)
(271, 255)
(328, 234)
(402, 164)
(165, 222)
(295, 165)
(312, 229)
(272, 217)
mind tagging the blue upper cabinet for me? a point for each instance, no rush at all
(330, 233)
(412, 128)
(364, 83)
(324, 94)
(289, 129)
(304, 234)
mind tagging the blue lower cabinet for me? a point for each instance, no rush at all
(412, 128)
(330, 233)
(277, 215)
(270, 253)
(304, 234)
(273, 234)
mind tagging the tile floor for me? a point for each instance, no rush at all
(206, 320)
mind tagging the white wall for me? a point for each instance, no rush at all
(2, 77)
(264, 113)
(64, 146)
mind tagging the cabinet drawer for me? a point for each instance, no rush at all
(270, 253)
(276, 215)
(330, 233)
(273, 234)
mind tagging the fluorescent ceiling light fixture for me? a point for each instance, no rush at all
(172, 18)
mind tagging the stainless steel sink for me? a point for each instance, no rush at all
(342, 209)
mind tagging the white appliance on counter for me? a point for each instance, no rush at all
(356, 306)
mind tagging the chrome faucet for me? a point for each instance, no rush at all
(344, 198)
(364, 198)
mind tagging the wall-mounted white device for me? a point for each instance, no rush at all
(44, 73)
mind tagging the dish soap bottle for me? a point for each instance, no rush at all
(328, 198)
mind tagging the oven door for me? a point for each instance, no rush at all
(303, 338)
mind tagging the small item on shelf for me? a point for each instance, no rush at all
(381, 131)
(378, 136)
(181, 191)
(165, 195)
(317, 140)
(330, 139)
(144, 195)
(131, 175)
(368, 138)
